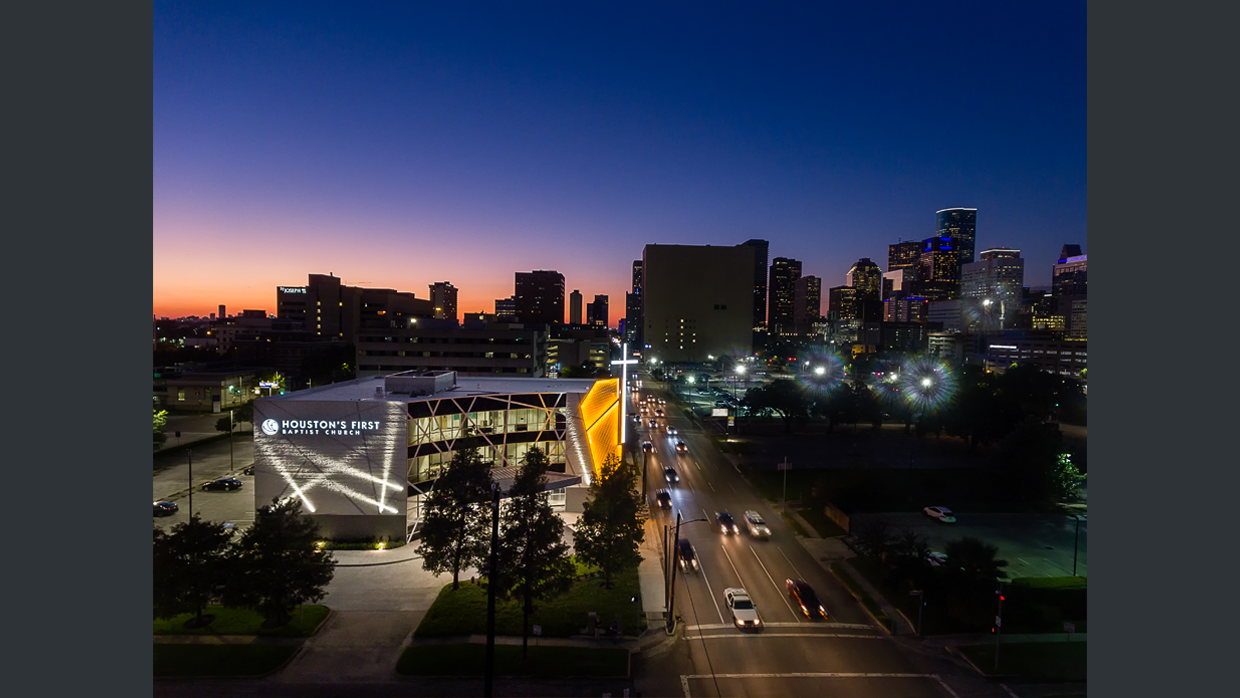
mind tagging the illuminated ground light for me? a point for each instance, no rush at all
(927, 383)
(820, 374)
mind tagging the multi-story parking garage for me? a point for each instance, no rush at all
(362, 455)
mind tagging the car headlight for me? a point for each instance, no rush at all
(739, 621)
(723, 528)
(695, 564)
(757, 621)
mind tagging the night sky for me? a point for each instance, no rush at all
(400, 144)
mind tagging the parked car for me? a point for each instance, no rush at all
(726, 525)
(687, 556)
(942, 514)
(249, 470)
(803, 594)
(681, 447)
(647, 447)
(744, 612)
(756, 525)
(664, 498)
(163, 508)
(671, 475)
(225, 484)
(936, 559)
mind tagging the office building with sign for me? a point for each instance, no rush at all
(362, 455)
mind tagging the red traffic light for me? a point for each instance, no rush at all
(1001, 597)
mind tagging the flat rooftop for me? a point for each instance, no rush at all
(364, 389)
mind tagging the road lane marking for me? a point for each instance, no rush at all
(684, 678)
(702, 571)
(739, 581)
(833, 626)
(736, 635)
(777, 591)
(1010, 692)
(712, 487)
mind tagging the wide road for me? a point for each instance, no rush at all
(843, 656)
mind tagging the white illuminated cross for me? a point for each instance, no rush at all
(624, 385)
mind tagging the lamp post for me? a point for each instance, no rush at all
(231, 465)
(921, 599)
(671, 593)
(491, 581)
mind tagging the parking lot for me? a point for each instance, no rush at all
(210, 461)
(1034, 545)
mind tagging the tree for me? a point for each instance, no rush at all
(1032, 468)
(190, 568)
(277, 564)
(533, 558)
(971, 575)
(873, 538)
(160, 419)
(610, 530)
(783, 397)
(456, 523)
(225, 424)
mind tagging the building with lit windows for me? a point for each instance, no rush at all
(697, 302)
(959, 224)
(443, 300)
(904, 255)
(998, 277)
(539, 297)
(781, 295)
(362, 455)
(938, 270)
(328, 309)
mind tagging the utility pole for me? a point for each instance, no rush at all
(491, 581)
(231, 466)
(998, 626)
(671, 594)
(190, 453)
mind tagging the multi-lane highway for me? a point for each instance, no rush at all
(844, 655)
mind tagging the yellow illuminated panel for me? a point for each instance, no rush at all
(600, 413)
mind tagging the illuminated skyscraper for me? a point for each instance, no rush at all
(867, 278)
(782, 294)
(959, 224)
(997, 277)
(938, 270)
(761, 251)
(903, 255)
(443, 300)
(807, 303)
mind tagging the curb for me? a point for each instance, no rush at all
(877, 622)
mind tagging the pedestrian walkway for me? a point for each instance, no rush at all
(650, 575)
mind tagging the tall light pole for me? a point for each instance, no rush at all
(671, 593)
(231, 466)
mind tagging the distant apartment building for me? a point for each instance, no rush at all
(842, 303)
(1064, 357)
(443, 300)
(506, 309)
(539, 297)
(1069, 286)
(698, 301)
(327, 308)
(906, 309)
(598, 315)
(570, 347)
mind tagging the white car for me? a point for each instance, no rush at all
(936, 559)
(756, 525)
(943, 514)
(744, 613)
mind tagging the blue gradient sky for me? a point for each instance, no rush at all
(397, 145)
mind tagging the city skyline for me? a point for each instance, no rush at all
(397, 147)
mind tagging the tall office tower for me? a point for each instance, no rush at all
(540, 297)
(633, 308)
(998, 277)
(899, 283)
(222, 316)
(632, 319)
(782, 293)
(761, 252)
(598, 315)
(1068, 291)
(959, 224)
(443, 299)
(842, 303)
(867, 278)
(806, 303)
(574, 307)
(697, 302)
(904, 255)
(506, 309)
(938, 270)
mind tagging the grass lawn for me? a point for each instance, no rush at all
(1042, 660)
(220, 660)
(463, 612)
(243, 621)
(825, 527)
(543, 662)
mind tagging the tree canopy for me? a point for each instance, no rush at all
(277, 565)
(456, 517)
(784, 397)
(189, 567)
(610, 530)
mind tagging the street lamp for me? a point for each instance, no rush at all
(671, 594)
(820, 370)
(921, 598)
